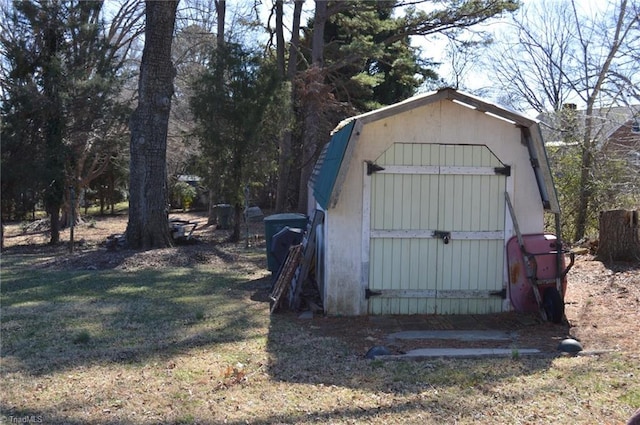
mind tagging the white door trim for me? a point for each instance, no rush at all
(430, 234)
(366, 241)
(437, 169)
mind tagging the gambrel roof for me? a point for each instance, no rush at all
(332, 166)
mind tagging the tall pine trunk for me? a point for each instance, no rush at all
(285, 159)
(148, 225)
(313, 103)
(221, 11)
(54, 130)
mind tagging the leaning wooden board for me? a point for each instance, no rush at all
(286, 274)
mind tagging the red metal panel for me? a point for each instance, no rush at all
(543, 248)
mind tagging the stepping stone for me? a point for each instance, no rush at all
(457, 335)
(468, 353)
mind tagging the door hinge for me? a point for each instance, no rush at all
(505, 171)
(502, 294)
(373, 167)
(368, 293)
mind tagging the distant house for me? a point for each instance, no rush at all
(615, 129)
(202, 194)
(624, 141)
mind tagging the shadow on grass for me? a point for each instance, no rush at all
(56, 320)
(331, 351)
(355, 414)
(302, 356)
(326, 351)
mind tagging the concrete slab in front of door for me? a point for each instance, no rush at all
(461, 353)
(459, 335)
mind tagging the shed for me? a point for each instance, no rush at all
(412, 197)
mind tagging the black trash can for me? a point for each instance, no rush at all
(223, 215)
(275, 223)
(282, 241)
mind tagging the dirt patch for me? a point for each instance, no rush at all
(602, 301)
(603, 304)
(91, 249)
(602, 312)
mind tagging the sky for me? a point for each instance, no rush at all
(478, 78)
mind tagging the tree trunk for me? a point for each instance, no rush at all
(619, 236)
(312, 110)
(589, 145)
(54, 215)
(280, 48)
(285, 154)
(235, 197)
(237, 221)
(212, 217)
(54, 130)
(584, 195)
(221, 11)
(148, 225)
(284, 171)
(585, 185)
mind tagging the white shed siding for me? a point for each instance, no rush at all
(443, 122)
(343, 274)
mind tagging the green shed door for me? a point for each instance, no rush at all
(436, 239)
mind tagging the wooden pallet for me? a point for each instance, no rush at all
(308, 261)
(281, 287)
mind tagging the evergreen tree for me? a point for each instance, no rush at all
(229, 106)
(360, 57)
(23, 118)
(33, 105)
(368, 56)
(63, 73)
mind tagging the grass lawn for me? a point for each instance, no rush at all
(197, 346)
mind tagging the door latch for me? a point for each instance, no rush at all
(445, 236)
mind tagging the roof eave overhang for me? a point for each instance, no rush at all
(530, 130)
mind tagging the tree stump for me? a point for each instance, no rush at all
(619, 236)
